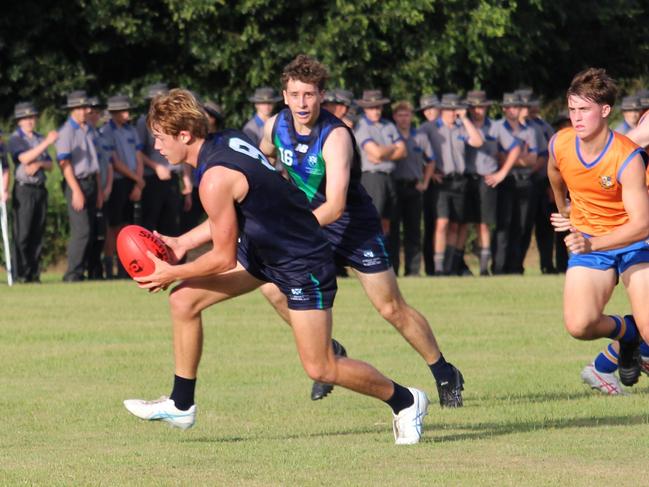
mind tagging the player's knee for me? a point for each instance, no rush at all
(392, 311)
(320, 371)
(580, 327)
(181, 303)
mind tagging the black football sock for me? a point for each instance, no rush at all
(442, 370)
(183, 392)
(401, 399)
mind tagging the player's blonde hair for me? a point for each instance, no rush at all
(176, 111)
(594, 84)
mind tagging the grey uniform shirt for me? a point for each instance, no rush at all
(484, 159)
(622, 127)
(382, 132)
(254, 129)
(149, 150)
(104, 157)
(527, 135)
(420, 153)
(449, 145)
(76, 145)
(19, 143)
(124, 141)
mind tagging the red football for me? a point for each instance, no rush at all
(133, 241)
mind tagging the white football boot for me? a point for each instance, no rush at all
(408, 424)
(163, 409)
(601, 381)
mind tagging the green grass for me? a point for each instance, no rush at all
(69, 355)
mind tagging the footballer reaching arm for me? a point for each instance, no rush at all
(640, 134)
(219, 190)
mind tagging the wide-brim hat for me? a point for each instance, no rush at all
(94, 102)
(372, 99)
(512, 100)
(76, 99)
(477, 98)
(24, 109)
(644, 98)
(428, 101)
(265, 94)
(213, 109)
(631, 103)
(452, 101)
(119, 103)
(154, 90)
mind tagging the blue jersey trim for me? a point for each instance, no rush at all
(626, 162)
(599, 157)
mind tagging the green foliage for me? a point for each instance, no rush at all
(223, 49)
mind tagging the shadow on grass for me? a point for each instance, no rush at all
(489, 430)
(432, 432)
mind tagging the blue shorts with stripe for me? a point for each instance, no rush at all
(307, 282)
(619, 259)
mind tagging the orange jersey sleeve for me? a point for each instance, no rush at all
(595, 190)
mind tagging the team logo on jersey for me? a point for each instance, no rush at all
(313, 166)
(302, 148)
(606, 182)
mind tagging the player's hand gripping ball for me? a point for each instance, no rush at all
(133, 242)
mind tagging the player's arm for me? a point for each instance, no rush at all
(266, 145)
(219, 190)
(338, 152)
(640, 134)
(636, 203)
(474, 136)
(559, 187)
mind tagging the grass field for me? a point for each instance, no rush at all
(70, 354)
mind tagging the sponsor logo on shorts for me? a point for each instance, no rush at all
(297, 294)
(370, 259)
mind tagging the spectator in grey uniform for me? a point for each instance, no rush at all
(411, 177)
(632, 109)
(514, 193)
(338, 101)
(450, 135)
(264, 99)
(93, 119)
(124, 205)
(540, 207)
(77, 157)
(28, 149)
(429, 107)
(485, 172)
(380, 146)
(161, 198)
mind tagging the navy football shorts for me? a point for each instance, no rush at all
(308, 282)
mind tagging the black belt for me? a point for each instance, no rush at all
(454, 177)
(31, 185)
(406, 182)
(86, 178)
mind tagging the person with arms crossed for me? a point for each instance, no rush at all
(608, 219)
(261, 230)
(321, 159)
